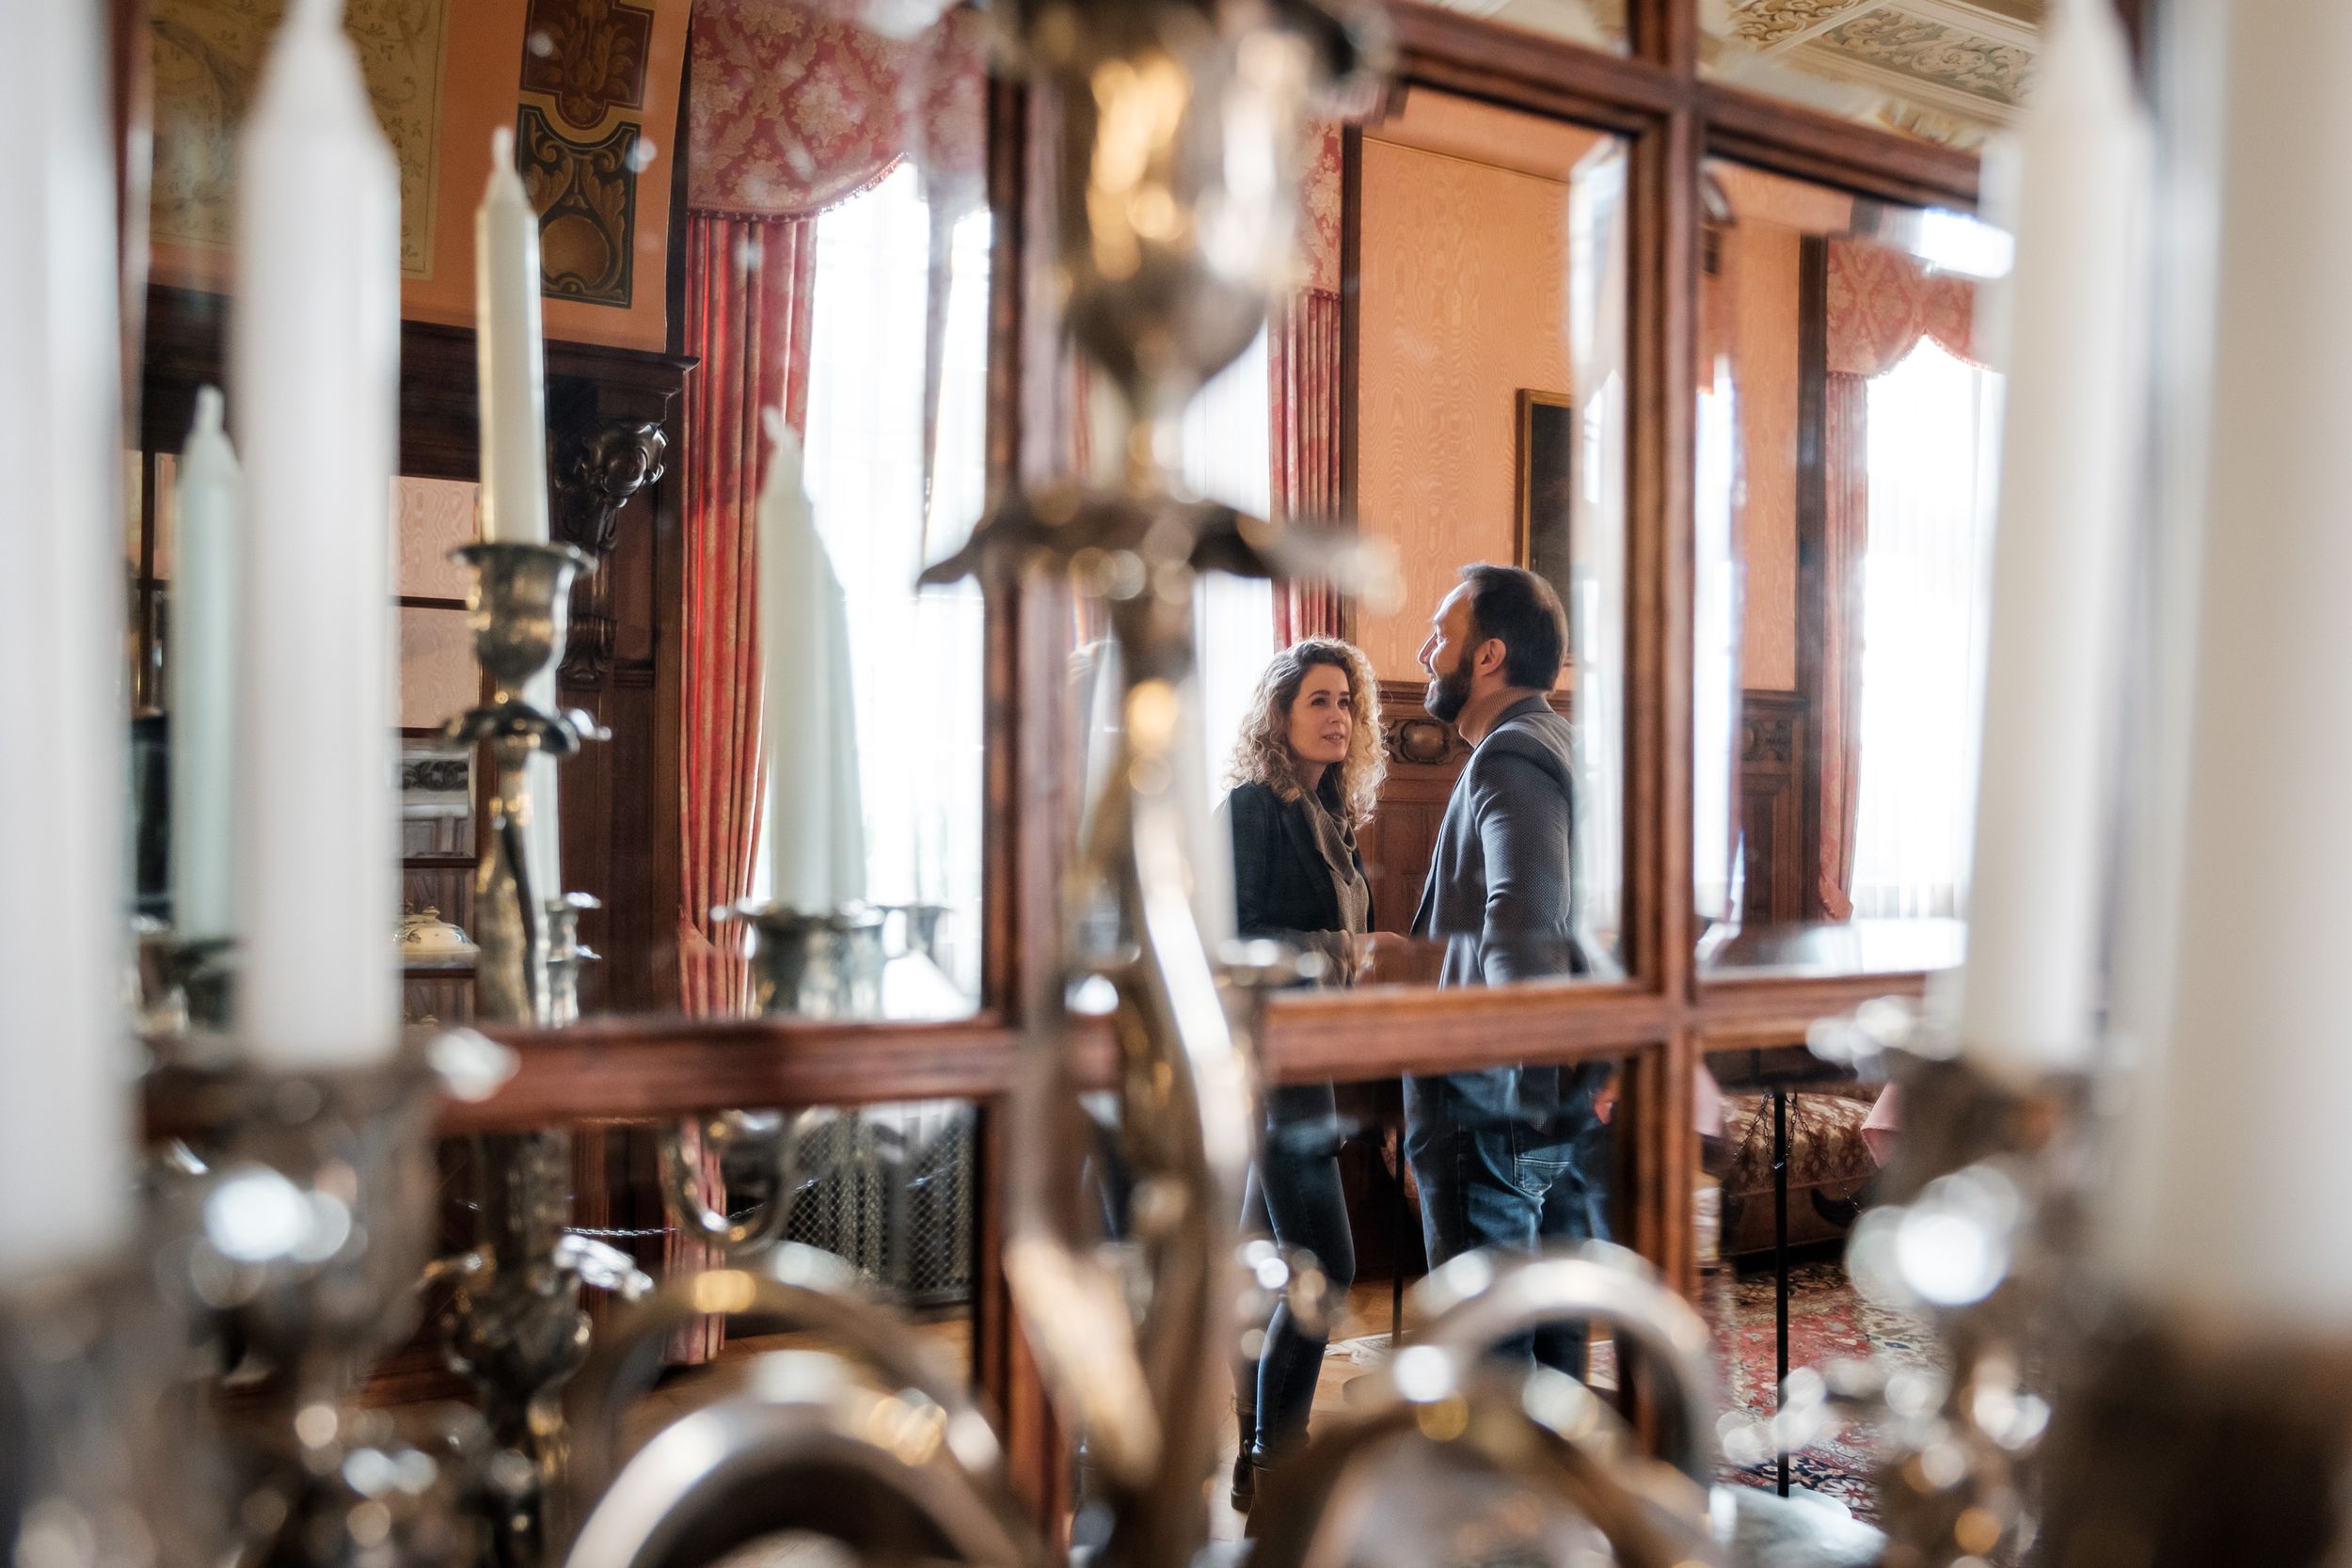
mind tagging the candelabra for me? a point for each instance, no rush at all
(1170, 265)
(2072, 1427)
(1981, 1232)
(515, 1322)
(298, 1223)
(1450, 1456)
(871, 1440)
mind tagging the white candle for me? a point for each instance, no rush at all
(507, 350)
(2069, 448)
(816, 819)
(65, 1055)
(314, 361)
(203, 673)
(2247, 1099)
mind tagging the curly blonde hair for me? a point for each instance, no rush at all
(1261, 752)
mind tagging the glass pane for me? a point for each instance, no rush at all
(1490, 400)
(894, 443)
(1847, 432)
(888, 1191)
(1355, 1184)
(1489, 393)
(430, 519)
(1594, 24)
(438, 678)
(1944, 70)
(1767, 1117)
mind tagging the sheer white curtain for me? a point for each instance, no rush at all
(1597, 262)
(1229, 456)
(917, 657)
(1933, 426)
(1716, 666)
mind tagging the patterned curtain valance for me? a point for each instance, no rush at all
(1319, 223)
(796, 108)
(1883, 302)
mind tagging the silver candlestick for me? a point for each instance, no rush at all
(305, 1227)
(514, 1323)
(516, 611)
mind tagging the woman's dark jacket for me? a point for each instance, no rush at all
(1281, 886)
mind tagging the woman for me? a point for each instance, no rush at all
(1306, 773)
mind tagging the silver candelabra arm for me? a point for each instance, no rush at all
(760, 1149)
(1457, 1452)
(1981, 1235)
(865, 1435)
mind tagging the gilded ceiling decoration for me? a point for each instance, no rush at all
(207, 61)
(1935, 53)
(1768, 21)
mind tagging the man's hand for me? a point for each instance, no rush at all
(1389, 957)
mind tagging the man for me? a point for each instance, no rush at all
(1512, 1156)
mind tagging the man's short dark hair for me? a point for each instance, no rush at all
(1519, 608)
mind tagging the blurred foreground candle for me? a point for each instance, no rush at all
(816, 817)
(2247, 1100)
(315, 362)
(2071, 413)
(65, 1050)
(508, 354)
(203, 671)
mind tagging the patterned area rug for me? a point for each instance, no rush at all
(1827, 1321)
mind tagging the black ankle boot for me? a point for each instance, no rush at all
(1245, 1468)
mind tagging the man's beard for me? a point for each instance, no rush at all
(1448, 694)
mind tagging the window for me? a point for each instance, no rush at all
(1933, 429)
(917, 658)
(1228, 456)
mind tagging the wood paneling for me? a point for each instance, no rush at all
(1462, 301)
(1775, 849)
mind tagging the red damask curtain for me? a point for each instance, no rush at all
(797, 107)
(1303, 365)
(1881, 304)
(749, 283)
(1303, 372)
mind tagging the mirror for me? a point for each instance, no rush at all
(887, 1191)
(1942, 73)
(1847, 429)
(831, 264)
(1453, 379)
(1356, 1180)
(1790, 1151)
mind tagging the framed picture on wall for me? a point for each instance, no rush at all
(1546, 438)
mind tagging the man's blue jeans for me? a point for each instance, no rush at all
(1512, 1184)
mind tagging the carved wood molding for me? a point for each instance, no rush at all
(1767, 727)
(1414, 740)
(593, 472)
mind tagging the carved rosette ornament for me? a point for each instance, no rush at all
(592, 474)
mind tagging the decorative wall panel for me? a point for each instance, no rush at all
(208, 60)
(601, 77)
